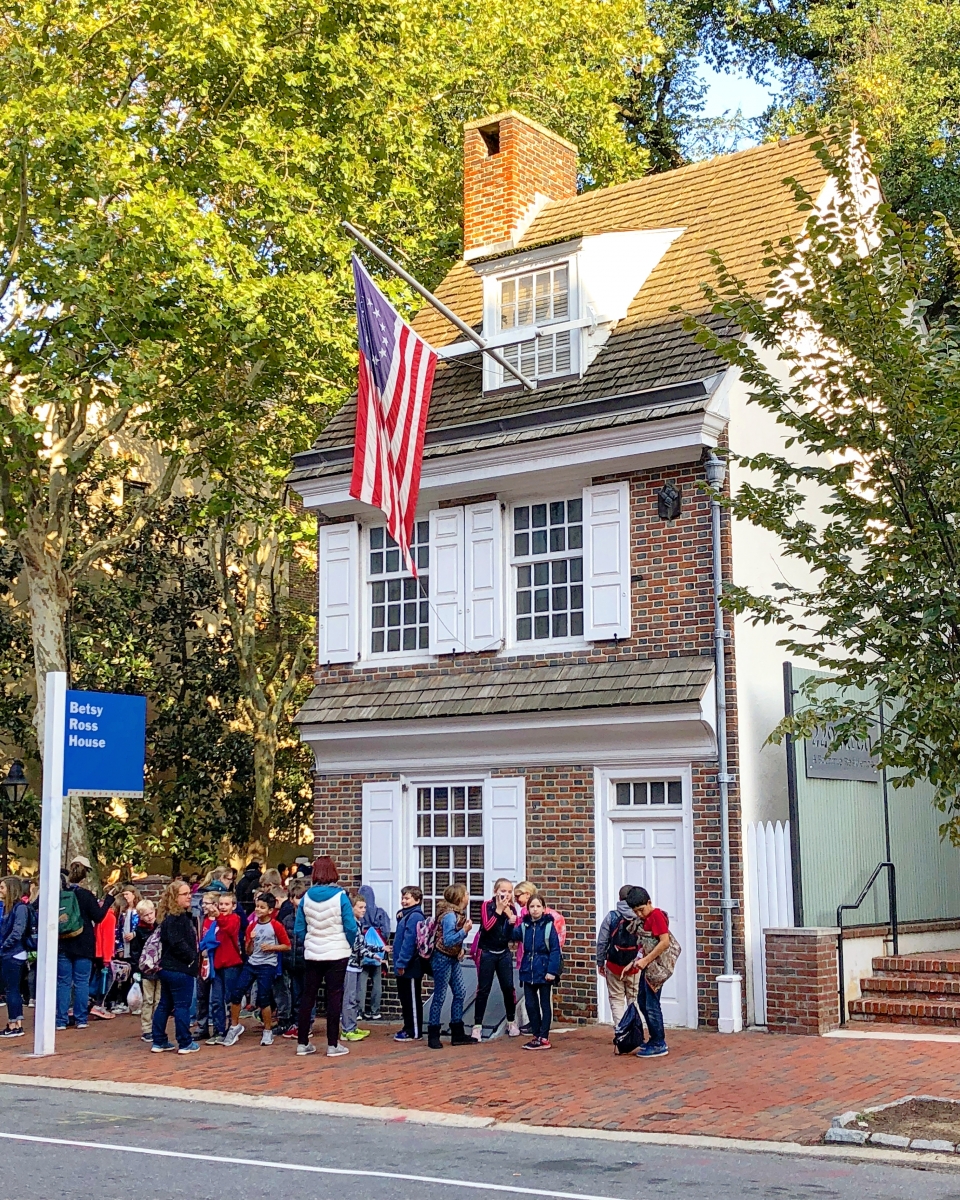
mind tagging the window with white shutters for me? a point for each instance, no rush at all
(548, 570)
(450, 842)
(399, 604)
(538, 299)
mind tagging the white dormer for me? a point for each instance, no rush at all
(549, 310)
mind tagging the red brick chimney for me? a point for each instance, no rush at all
(511, 167)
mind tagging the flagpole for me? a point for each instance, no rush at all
(439, 306)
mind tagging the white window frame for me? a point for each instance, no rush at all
(366, 609)
(534, 645)
(494, 376)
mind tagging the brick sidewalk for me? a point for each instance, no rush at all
(750, 1085)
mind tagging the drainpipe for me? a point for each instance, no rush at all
(729, 985)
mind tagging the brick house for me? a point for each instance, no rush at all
(546, 706)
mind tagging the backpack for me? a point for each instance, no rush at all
(662, 967)
(32, 930)
(374, 949)
(70, 924)
(624, 946)
(426, 937)
(628, 1035)
(149, 966)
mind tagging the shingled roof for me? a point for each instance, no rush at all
(527, 689)
(730, 205)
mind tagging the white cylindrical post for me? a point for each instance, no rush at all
(51, 838)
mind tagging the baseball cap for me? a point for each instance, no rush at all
(79, 858)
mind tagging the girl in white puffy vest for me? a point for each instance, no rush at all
(327, 926)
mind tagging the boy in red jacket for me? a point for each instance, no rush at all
(227, 961)
(266, 941)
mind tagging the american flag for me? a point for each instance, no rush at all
(393, 395)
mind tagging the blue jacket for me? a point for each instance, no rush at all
(541, 949)
(405, 956)
(320, 892)
(13, 929)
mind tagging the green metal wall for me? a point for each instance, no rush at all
(841, 840)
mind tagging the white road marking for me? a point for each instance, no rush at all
(303, 1167)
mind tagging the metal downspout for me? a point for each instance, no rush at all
(716, 470)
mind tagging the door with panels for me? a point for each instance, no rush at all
(649, 850)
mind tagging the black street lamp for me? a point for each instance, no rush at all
(14, 788)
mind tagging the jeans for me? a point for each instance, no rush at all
(352, 983)
(375, 975)
(12, 970)
(73, 976)
(176, 996)
(221, 990)
(411, 1004)
(622, 991)
(333, 970)
(499, 966)
(281, 999)
(539, 1011)
(446, 970)
(204, 1011)
(263, 975)
(648, 1001)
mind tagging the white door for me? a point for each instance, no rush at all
(649, 854)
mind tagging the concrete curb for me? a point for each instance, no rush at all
(414, 1116)
(841, 1133)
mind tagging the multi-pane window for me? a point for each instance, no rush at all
(450, 842)
(658, 793)
(399, 608)
(548, 561)
(537, 300)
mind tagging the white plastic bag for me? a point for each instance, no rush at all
(135, 997)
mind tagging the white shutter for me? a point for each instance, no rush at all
(606, 527)
(504, 829)
(446, 580)
(380, 859)
(339, 571)
(482, 525)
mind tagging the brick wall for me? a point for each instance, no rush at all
(802, 994)
(507, 160)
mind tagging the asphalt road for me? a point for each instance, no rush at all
(333, 1158)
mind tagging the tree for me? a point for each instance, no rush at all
(869, 499)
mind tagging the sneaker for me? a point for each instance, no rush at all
(31, 1004)
(233, 1035)
(63, 1029)
(291, 1032)
(308, 1049)
(12, 1031)
(477, 1033)
(653, 1050)
(147, 1037)
(160, 1049)
(100, 1013)
(266, 1038)
(533, 1044)
(513, 1029)
(81, 1025)
(355, 1035)
(403, 1036)
(216, 1040)
(373, 1017)
(544, 1044)
(120, 1009)
(336, 1051)
(193, 1048)
(526, 1028)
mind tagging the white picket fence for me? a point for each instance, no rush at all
(769, 897)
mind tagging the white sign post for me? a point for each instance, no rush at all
(51, 839)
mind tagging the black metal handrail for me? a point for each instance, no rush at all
(894, 928)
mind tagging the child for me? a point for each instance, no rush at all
(541, 966)
(654, 924)
(150, 988)
(379, 919)
(206, 928)
(408, 965)
(292, 978)
(266, 939)
(621, 985)
(450, 929)
(227, 961)
(353, 979)
(493, 956)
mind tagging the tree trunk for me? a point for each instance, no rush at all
(264, 774)
(49, 593)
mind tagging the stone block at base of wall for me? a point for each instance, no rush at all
(802, 989)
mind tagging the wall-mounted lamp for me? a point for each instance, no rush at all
(669, 502)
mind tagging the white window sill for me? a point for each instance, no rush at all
(547, 645)
(404, 657)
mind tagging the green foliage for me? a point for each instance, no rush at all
(866, 495)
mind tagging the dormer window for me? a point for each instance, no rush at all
(535, 301)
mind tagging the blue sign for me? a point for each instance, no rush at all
(104, 744)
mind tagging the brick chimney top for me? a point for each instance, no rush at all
(512, 167)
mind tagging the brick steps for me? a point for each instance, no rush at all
(911, 990)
